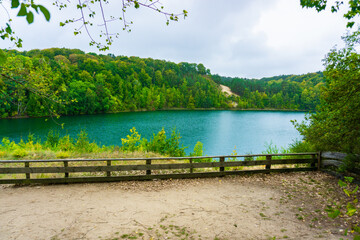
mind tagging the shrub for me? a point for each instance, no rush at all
(66, 143)
(131, 142)
(199, 151)
(159, 143)
(83, 145)
(62, 154)
(300, 147)
(174, 148)
(8, 145)
(52, 139)
(19, 153)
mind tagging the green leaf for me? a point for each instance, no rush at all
(30, 17)
(350, 24)
(351, 210)
(35, 7)
(342, 184)
(136, 4)
(22, 11)
(8, 29)
(334, 214)
(349, 179)
(45, 12)
(355, 190)
(15, 3)
(62, 24)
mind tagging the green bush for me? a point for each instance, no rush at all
(199, 151)
(19, 153)
(131, 142)
(159, 143)
(66, 143)
(83, 145)
(173, 145)
(52, 139)
(300, 147)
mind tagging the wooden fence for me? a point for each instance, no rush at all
(110, 170)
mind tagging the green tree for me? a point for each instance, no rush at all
(336, 125)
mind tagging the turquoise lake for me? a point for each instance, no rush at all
(220, 131)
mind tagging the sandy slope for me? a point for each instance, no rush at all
(250, 207)
(227, 90)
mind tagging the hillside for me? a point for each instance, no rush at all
(69, 82)
(298, 92)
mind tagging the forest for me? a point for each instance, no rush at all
(63, 81)
(295, 92)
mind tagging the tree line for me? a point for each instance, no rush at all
(63, 81)
(295, 92)
(70, 82)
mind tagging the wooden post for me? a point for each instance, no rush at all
(222, 160)
(191, 168)
(319, 161)
(108, 163)
(148, 162)
(313, 161)
(27, 165)
(268, 164)
(66, 164)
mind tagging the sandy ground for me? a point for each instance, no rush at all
(241, 207)
(227, 90)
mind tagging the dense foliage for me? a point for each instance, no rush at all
(336, 127)
(296, 92)
(71, 82)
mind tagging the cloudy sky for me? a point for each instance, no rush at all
(237, 38)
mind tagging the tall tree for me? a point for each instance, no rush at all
(336, 126)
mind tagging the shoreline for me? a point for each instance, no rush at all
(174, 109)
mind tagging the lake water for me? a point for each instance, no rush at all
(220, 131)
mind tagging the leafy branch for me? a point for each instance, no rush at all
(320, 5)
(87, 17)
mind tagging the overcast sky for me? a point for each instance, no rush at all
(237, 38)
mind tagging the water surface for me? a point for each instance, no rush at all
(221, 132)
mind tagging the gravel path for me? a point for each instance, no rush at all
(272, 206)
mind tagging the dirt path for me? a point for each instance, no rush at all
(248, 207)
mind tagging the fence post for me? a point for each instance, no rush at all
(191, 168)
(319, 161)
(268, 164)
(313, 161)
(66, 164)
(108, 163)
(27, 165)
(148, 163)
(222, 160)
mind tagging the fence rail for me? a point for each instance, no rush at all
(125, 169)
